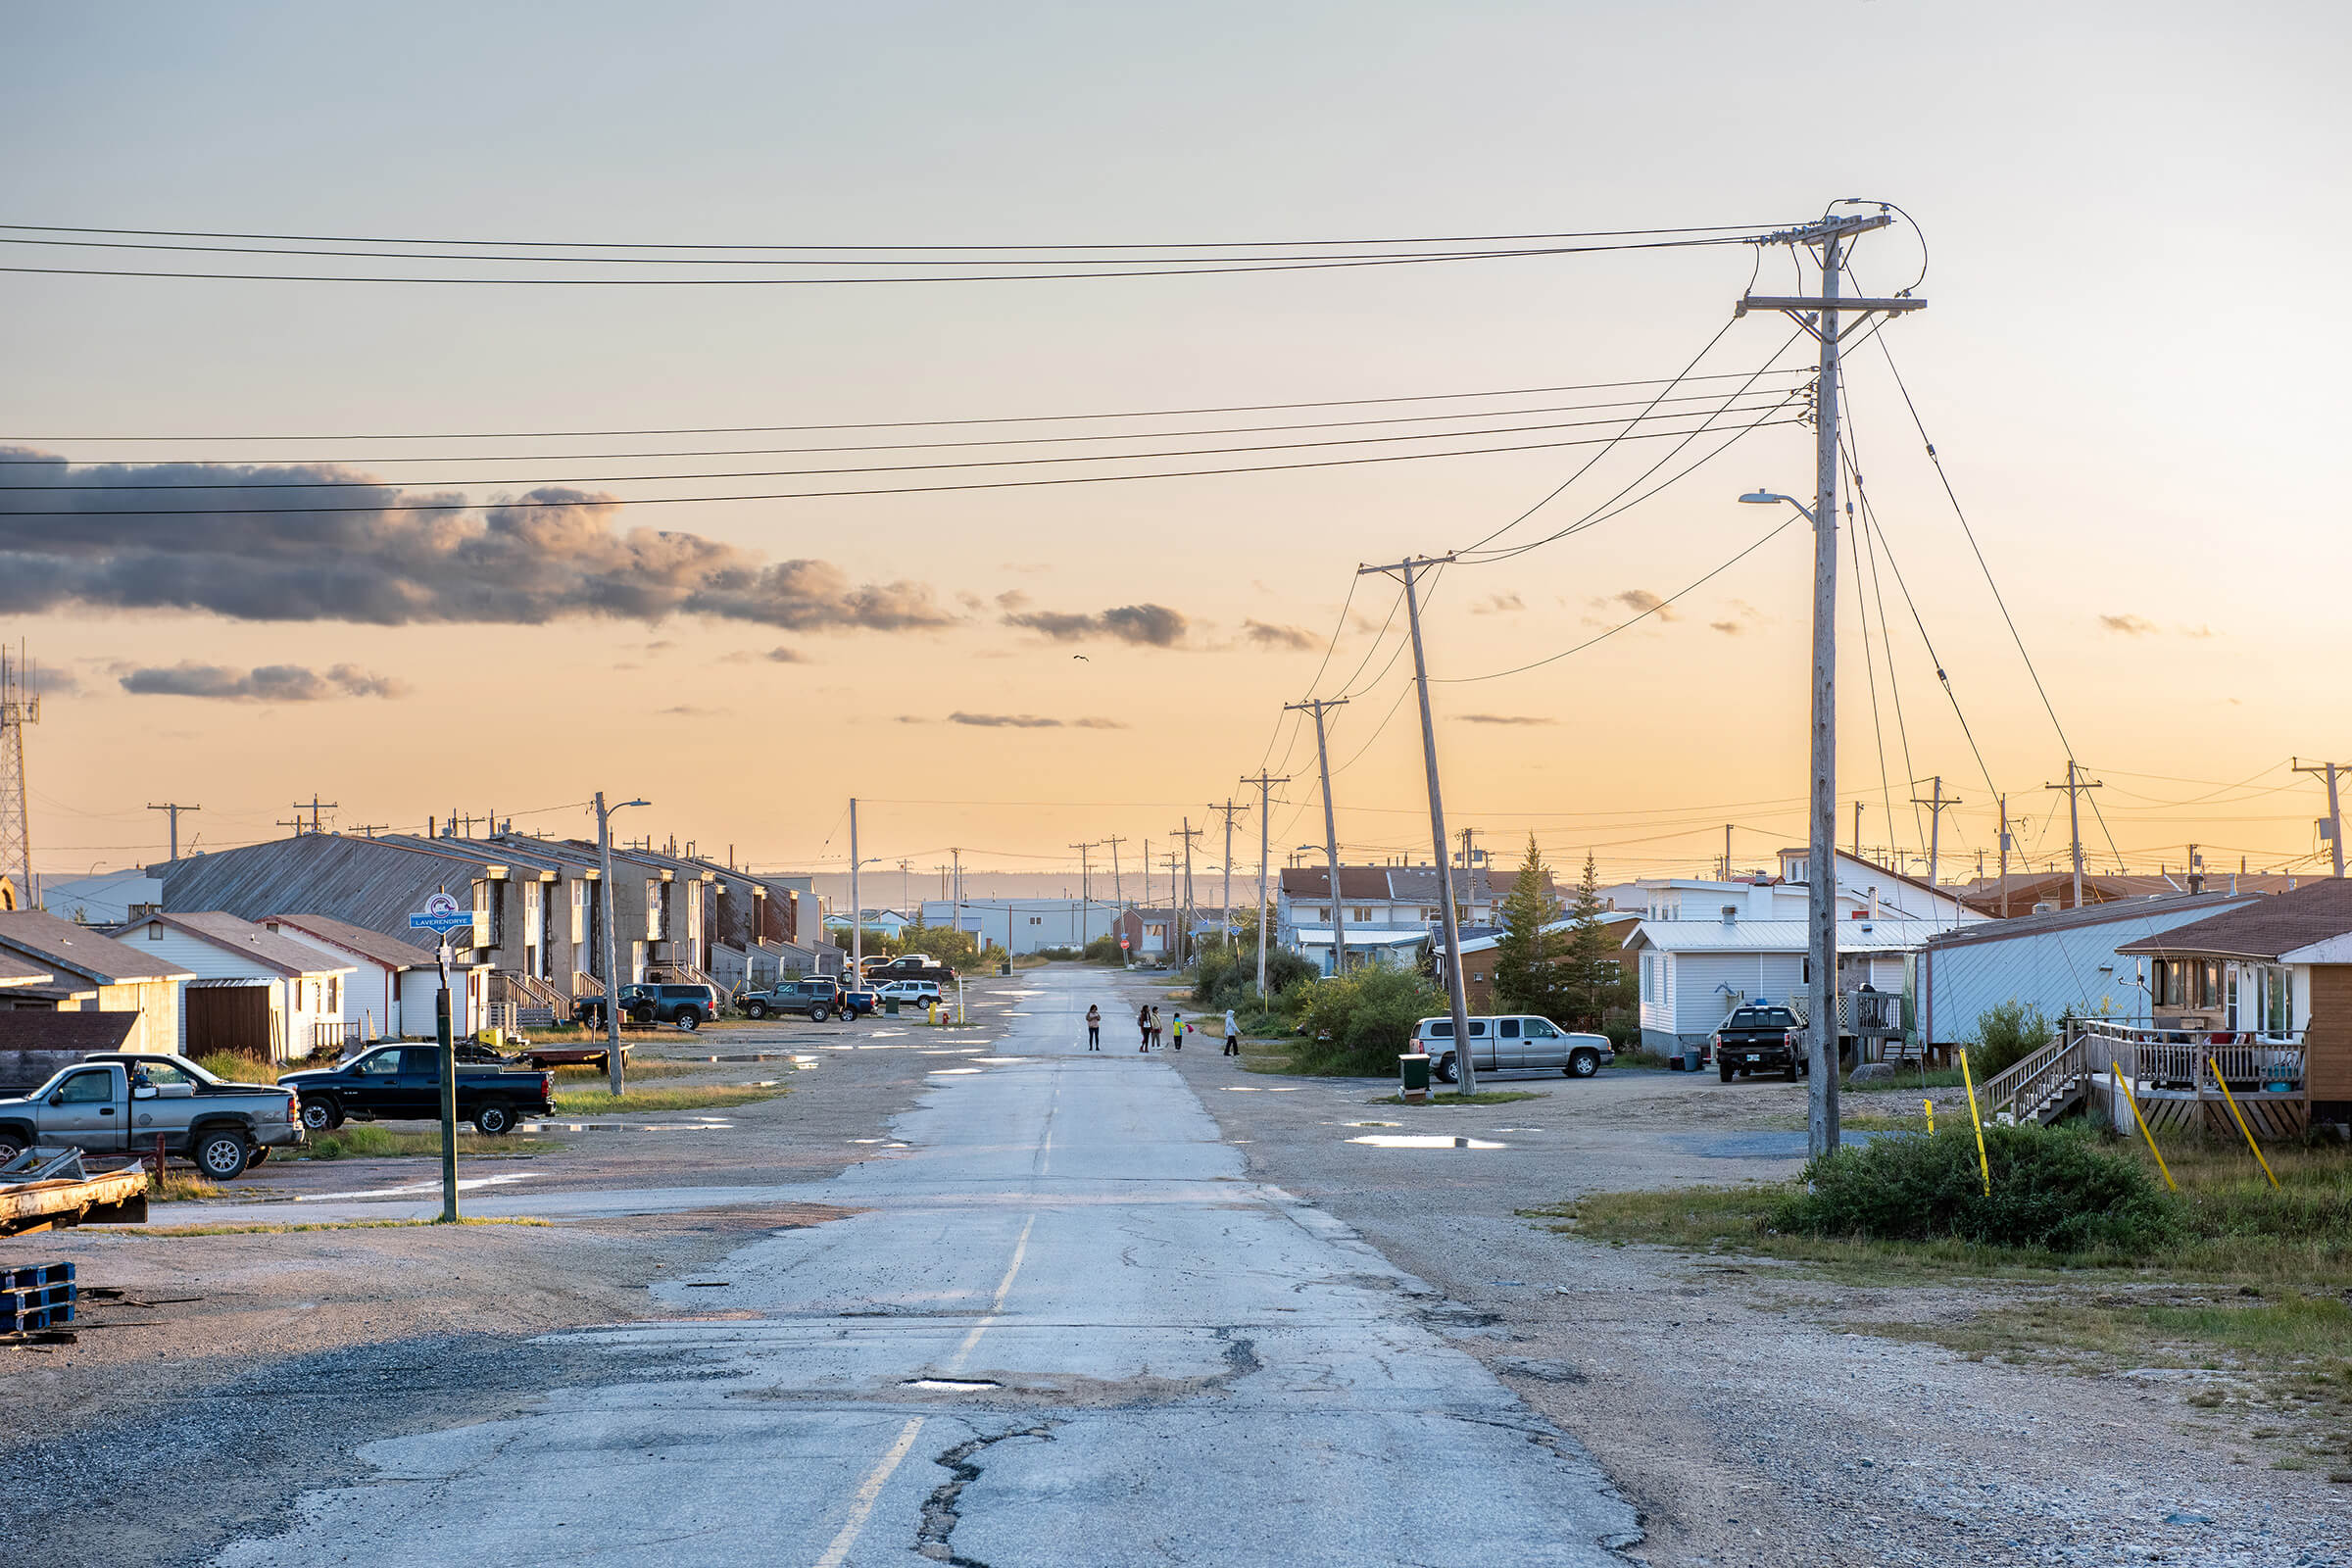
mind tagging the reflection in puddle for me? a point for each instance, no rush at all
(1423, 1141)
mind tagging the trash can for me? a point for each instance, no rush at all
(494, 1037)
(891, 1006)
(1690, 1058)
(1412, 1073)
(1004, 969)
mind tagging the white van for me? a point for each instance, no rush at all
(1518, 1040)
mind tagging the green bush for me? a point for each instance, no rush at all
(1227, 977)
(2006, 1034)
(1104, 949)
(1358, 1023)
(2054, 1189)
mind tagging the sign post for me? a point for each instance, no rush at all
(441, 915)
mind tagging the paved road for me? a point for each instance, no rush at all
(1062, 1329)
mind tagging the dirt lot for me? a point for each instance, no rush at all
(1740, 1402)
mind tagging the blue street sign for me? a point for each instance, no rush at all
(440, 914)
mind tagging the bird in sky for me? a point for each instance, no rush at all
(1082, 658)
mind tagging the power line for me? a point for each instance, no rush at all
(528, 503)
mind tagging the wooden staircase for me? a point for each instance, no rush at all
(2044, 1087)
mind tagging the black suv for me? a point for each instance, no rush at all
(687, 1007)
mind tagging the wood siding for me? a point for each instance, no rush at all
(2330, 1036)
(229, 1018)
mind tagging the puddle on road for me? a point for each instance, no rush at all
(953, 1385)
(1380, 1124)
(954, 1072)
(1423, 1141)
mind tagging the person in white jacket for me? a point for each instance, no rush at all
(1233, 1034)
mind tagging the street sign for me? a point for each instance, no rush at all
(441, 914)
(1122, 943)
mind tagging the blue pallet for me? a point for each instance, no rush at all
(29, 1276)
(42, 1296)
(31, 1322)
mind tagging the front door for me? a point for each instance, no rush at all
(83, 1110)
(1509, 1047)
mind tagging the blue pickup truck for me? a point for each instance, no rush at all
(402, 1083)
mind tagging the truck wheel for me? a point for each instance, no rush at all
(222, 1155)
(755, 1010)
(1584, 1064)
(641, 1014)
(494, 1118)
(321, 1115)
(13, 1141)
(1726, 1072)
(1794, 1071)
(689, 1020)
(819, 1014)
(1444, 1071)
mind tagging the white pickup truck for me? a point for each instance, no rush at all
(120, 1101)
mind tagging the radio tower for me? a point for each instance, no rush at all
(19, 706)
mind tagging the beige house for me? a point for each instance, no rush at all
(91, 973)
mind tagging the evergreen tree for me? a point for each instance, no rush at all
(1525, 978)
(1589, 976)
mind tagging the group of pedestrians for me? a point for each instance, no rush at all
(1151, 1033)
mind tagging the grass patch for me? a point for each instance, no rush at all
(369, 1140)
(637, 1068)
(1485, 1097)
(235, 1068)
(179, 1186)
(585, 1101)
(163, 1231)
(1908, 1082)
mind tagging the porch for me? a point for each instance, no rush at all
(2180, 1081)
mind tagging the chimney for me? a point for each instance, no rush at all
(1731, 915)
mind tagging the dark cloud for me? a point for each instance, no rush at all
(1268, 635)
(1503, 719)
(1014, 721)
(1152, 625)
(1730, 628)
(1497, 605)
(1012, 599)
(1097, 724)
(1643, 599)
(2129, 625)
(270, 683)
(251, 551)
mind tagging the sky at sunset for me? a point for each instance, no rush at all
(2132, 239)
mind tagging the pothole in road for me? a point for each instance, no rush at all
(951, 1385)
(1384, 1124)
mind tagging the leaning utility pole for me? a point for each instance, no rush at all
(1084, 896)
(1229, 809)
(1115, 841)
(2336, 816)
(1465, 1071)
(2074, 786)
(1331, 830)
(857, 909)
(1265, 785)
(2004, 856)
(1936, 804)
(1828, 318)
(174, 807)
(615, 1063)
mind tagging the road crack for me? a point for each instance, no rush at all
(942, 1511)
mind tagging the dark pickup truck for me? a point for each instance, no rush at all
(1759, 1038)
(402, 1083)
(909, 967)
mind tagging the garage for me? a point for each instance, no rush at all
(229, 1016)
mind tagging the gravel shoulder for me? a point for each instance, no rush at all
(1745, 1405)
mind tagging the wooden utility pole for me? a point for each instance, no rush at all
(2074, 786)
(1331, 829)
(1465, 1069)
(1085, 897)
(1115, 841)
(2336, 816)
(1228, 808)
(2004, 856)
(174, 807)
(1936, 804)
(1857, 830)
(1265, 784)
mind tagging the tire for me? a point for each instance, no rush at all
(321, 1115)
(222, 1153)
(818, 1014)
(494, 1118)
(1791, 1072)
(689, 1020)
(641, 1014)
(1443, 1072)
(755, 1010)
(1726, 1072)
(13, 1141)
(1583, 1064)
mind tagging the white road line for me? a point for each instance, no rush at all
(862, 1507)
(996, 1307)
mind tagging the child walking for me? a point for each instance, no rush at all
(1178, 1033)
(1233, 1034)
(1093, 1027)
(1143, 1028)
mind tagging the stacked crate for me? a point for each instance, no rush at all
(37, 1295)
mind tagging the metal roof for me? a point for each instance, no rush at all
(1780, 936)
(1493, 939)
(2107, 913)
(62, 945)
(360, 940)
(374, 883)
(247, 939)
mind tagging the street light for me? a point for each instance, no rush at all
(614, 1074)
(1765, 498)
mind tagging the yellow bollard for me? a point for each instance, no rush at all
(1983, 1165)
(2241, 1121)
(2133, 1101)
(1930, 1105)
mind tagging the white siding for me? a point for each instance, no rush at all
(1710, 985)
(370, 992)
(2075, 967)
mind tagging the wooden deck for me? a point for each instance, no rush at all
(2179, 1084)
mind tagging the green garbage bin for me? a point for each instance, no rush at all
(890, 1004)
(1412, 1073)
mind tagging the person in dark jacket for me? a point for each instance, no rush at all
(1093, 1027)
(1143, 1028)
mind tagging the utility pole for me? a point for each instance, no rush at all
(1331, 829)
(956, 886)
(1146, 873)
(1828, 318)
(857, 909)
(615, 1074)
(1857, 830)
(1190, 917)
(1083, 897)
(1726, 852)
(1935, 805)
(174, 807)
(1265, 785)
(2336, 816)
(20, 706)
(1465, 1071)
(2004, 856)
(2074, 786)
(1115, 841)
(1229, 809)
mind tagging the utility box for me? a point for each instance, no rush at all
(1412, 1074)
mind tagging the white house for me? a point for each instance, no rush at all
(1693, 972)
(2065, 962)
(255, 991)
(395, 986)
(1879, 890)
(1386, 899)
(1024, 925)
(107, 898)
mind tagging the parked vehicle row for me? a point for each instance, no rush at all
(1512, 1041)
(402, 1083)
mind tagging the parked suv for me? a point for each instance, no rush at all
(687, 1007)
(1497, 1044)
(917, 991)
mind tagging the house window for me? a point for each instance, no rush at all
(1361, 914)
(1649, 978)
(334, 994)
(155, 931)
(1037, 920)
(1324, 913)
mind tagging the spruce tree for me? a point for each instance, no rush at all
(1588, 972)
(1523, 954)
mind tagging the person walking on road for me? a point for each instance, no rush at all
(1233, 1034)
(1093, 1027)
(1143, 1028)
(1178, 1033)
(1156, 1030)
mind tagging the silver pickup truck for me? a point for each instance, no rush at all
(118, 1103)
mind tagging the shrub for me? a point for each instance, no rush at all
(2052, 1188)
(1104, 949)
(1358, 1023)
(2006, 1034)
(1228, 977)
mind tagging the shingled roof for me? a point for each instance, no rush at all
(2267, 928)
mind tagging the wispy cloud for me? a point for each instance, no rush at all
(1503, 719)
(1641, 599)
(1149, 625)
(1730, 628)
(1497, 605)
(2129, 625)
(689, 710)
(1014, 722)
(269, 683)
(1268, 635)
(773, 655)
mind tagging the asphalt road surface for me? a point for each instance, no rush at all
(1062, 1328)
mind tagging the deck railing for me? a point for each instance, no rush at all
(2175, 1058)
(334, 1034)
(2050, 1076)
